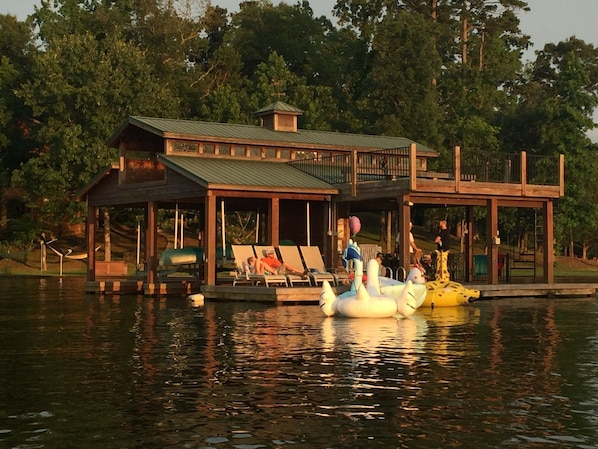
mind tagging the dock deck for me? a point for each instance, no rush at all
(308, 295)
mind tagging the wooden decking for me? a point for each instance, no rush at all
(536, 290)
(311, 295)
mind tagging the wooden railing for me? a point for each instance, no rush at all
(359, 167)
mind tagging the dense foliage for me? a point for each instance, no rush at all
(442, 72)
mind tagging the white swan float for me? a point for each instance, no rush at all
(380, 297)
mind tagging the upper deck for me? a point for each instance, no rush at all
(372, 175)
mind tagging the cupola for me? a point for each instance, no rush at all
(279, 116)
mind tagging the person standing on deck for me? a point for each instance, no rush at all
(414, 252)
(442, 241)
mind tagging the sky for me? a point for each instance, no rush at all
(549, 21)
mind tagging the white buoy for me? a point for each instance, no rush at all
(197, 299)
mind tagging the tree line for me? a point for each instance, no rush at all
(440, 72)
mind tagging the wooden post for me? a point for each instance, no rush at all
(354, 173)
(404, 219)
(413, 166)
(274, 221)
(151, 244)
(469, 243)
(492, 231)
(389, 236)
(523, 173)
(562, 174)
(329, 249)
(209, 240)
(457, 163)
(91, 242)
(548, 242)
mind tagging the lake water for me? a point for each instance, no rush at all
(82, 371)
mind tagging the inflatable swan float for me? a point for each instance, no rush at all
(380, 297)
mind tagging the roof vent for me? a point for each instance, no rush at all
(279, 116)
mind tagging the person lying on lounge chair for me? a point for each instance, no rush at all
(279, 267)
(256, 266)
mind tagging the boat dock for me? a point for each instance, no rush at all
(300, 294)
(536, 290)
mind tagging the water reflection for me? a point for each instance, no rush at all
(136, 372)
(372, 339)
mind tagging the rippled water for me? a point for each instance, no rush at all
(80, 371)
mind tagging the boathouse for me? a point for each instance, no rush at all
(305, 184)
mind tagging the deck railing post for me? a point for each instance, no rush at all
(562, 174)
(523, 173)
(354, 173)
(413, 166)
(457, 164)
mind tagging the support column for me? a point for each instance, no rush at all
(274, 221)
(548, 243)
(151, 242)
(469, 243)
(329, 249)
(210, 243)
(91, 242)
(404, 211)
(389, 236)
(492, 234)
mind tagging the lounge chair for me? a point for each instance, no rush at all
(316, 267)
(368, 252)
(293, 279)
(240, 254)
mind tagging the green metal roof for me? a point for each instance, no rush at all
(271, 176)
(247, 134)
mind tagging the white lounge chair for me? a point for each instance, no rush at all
(314, 263)
(293, 279)
(241, 253)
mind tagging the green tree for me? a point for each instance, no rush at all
(274, 81)
(15, 58)
(482, 47)
(401, 98)
(259, 29)
(81, 90)
(557, 96)
(16, 51)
